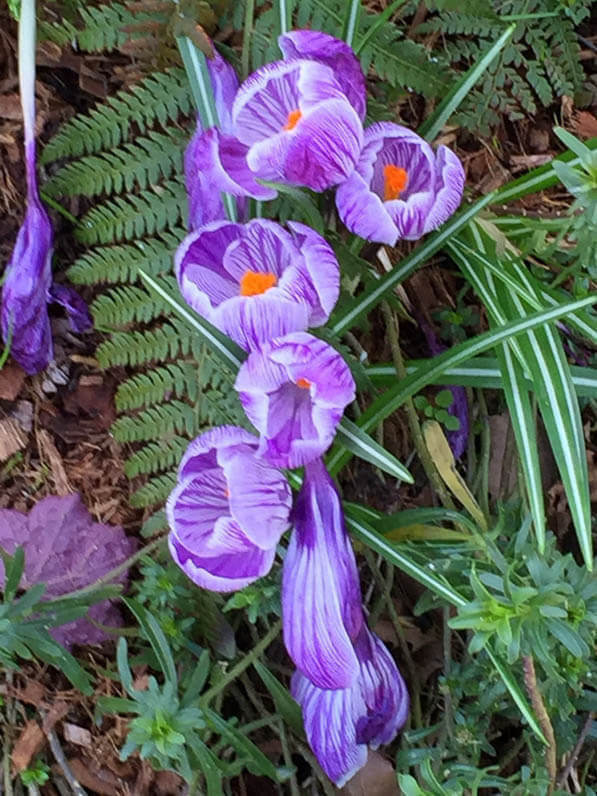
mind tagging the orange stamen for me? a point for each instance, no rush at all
(293, 119)
(227, 492)
(253, 283)
(395, 180)
(304, 384)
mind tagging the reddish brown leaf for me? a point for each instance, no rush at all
(28, 744)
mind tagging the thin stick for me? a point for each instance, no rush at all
(64, 766)
(576, 751)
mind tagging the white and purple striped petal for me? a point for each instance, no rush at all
(294, 390)
(334, 53)
(256, 281)
(342, 723)
(400, 188)
(321, 597)
(228, 510)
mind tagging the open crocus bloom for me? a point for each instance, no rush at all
(256, 281)
(227, 512)
(347, 684)
(400, 187)
(294, 390)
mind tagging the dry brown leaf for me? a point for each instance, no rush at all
(101, 781)
(12, 438)
(12, 377)
(376, 778)
(77, 735)
(29, 744)
(585, 124)
(49, 452)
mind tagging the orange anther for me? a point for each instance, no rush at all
(253, 283)
(304, 384)
(293, 119)
(395, 180)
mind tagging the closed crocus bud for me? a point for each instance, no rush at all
(400, 187)
(27, 286)
(227, 511)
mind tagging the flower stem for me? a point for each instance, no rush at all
(243, 664)
(351, 21)
(411, 413)
(284, 15)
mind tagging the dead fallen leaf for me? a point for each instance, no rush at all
(585, 124)
(12, 377)
(376, 778)
(34, 693)
(57, 712)
(101, 781)
(49, 452)
(77, 735)
(29, 743)
(167, 783)
(12, 438)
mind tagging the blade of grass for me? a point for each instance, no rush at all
(390, 400)
(351, 21)
(380, 20)
(377, 291)
(432, 126)
(354, 439)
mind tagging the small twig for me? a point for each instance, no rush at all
(576, 751)
(63, 763)
(530, 681)
(327, 786)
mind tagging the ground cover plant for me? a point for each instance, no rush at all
(356, 394)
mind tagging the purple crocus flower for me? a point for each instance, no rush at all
(256, 281)
(296, 121)
(27, 285)
(227, 511)
(400, 187)
(294, 390)
(205, 203)
(347, 684)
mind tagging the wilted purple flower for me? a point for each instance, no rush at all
(227, 512)
(257, 281)
(341, 723)
(347, 684)
(294, 390)
(400, 187)
(65, 549)
(28, 276)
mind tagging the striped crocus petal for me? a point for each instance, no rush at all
(321, 597)
(342, 723)
(332, 52)
(400, 188)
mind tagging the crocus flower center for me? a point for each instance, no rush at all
(254, 283)
(292, 120)
(395, 180)
(304, 384)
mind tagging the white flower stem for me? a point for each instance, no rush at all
(27, 85)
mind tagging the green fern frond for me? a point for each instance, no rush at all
(141, 163)
(147, 213)
(157, 422)
(152, 345)
(144, 389)
(154, 491)
(155, 457)
(126, 304)
(121, 263)
(160, 98)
